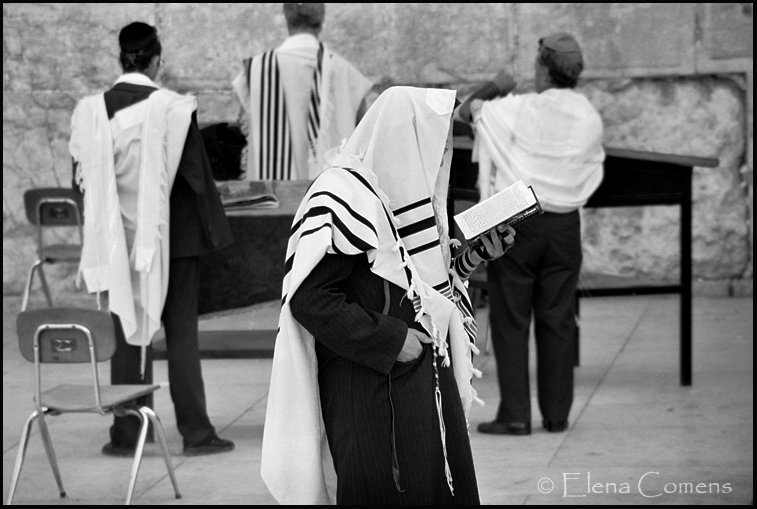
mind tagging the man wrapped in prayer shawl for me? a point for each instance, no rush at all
(151, 209)
(298, 100)
(552, 140)
(371, 379)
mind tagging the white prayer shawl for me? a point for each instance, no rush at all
(552, 141)
(137, 282)
(276, 102)
(380, 182)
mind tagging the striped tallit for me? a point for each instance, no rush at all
(271, 136)
(317, 84)
(314, 106)
(352, 208)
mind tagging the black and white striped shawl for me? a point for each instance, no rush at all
(271, 136)
(346, 211)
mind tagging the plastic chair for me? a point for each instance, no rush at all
(47, 208)
(65, 335)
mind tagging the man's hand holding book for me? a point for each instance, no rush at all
(493, 243)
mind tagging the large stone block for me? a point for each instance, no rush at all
(204, 44)
(616, 38)
(729, 30)
(695, 117)
(216, 107)
(36, 129)
(69, 47)
(440, 43)
(19, 253)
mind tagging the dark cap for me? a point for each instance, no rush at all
(137, 37)
(560, 42)
(314, 13)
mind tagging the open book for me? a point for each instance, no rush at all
(245, 195)
(512, 205)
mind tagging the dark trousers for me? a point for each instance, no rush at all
(538, 274)
(183, 351)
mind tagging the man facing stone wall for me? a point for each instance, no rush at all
(674, 78)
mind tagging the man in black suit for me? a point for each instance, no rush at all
(197, 226)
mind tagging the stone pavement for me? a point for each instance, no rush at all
(636, 436)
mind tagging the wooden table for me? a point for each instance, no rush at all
(640, 179)
(632, 179)
(249, 272)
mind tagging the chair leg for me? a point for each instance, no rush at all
(138, 452)
(158, 426)
(21, 453)
(51, 453)
(28, 288)
(45, 287)
(30, 280)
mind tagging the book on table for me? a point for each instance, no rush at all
(245, 195)
(511, 206)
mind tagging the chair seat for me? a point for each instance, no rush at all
(62, 253)
(81, 398)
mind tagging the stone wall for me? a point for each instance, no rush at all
(671, 78)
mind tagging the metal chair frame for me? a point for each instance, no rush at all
(42, 259)
(144, 414)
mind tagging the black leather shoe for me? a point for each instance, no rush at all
(505, 428)
(212, 445)
(555, 426)
(117, 451)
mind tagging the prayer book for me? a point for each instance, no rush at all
(511, 206)
(246, 195)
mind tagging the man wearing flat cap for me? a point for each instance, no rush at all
(298, 101)
(552, 140)
(151, 209)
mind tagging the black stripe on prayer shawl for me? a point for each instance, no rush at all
(247, 66)
(314, 119)
(264, 112)
(353, 214)
(390, 221)
(275, 146)
(424, 224)
(349, 209)
(424, 247)
(290, 261)
(276, 142)
(353, 239)
(337, 250)
(445, 289)
(368, 186)
(412, 206)
(441, 287)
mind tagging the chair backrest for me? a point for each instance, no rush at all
(54, 206)
(63, 335)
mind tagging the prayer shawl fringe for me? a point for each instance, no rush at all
(105, 264)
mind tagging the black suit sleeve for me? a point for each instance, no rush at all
(198, 221)
(344, 326)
